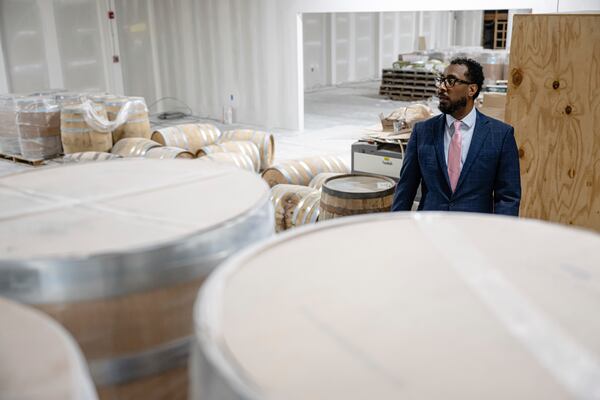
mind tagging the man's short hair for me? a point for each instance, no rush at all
(474, 71)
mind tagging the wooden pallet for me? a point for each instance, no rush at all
(407, 84)
(20, 159)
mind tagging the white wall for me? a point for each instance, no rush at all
(350, 47)
(199, 50)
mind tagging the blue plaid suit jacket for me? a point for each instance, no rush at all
(489, 181)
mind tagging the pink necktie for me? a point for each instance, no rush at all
(454, 156)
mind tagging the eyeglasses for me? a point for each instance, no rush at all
(449, 81)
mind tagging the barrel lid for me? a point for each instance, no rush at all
(39, 358)
(130, 216)
(359, 186)
(399, 305)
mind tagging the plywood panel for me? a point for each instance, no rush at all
(554, 105)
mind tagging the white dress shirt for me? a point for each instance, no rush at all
(467, 127)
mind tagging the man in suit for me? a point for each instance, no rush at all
(463, 160)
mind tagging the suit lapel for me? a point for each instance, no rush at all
(438, 132)
(479, 135)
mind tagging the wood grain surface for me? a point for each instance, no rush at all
(554, 106)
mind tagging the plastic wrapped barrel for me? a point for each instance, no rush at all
(116, 252)
(137, 123)
(405, 306)
(38, 122)
(77, 135)
(9, 131)
(40, 360)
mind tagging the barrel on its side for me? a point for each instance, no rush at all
(263, 140)
(318, 181)
(168, 152)
(301, 172)
(354, 194)
(285, 199)
(240, 160)
(40, 360)
(88, 156)
(307, 210)
(244, 147)
(77, 136)
(133, 147)
(191, 137)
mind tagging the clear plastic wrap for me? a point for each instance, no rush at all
(9, 132)
(38, 123)
(127, 118)
(78, 135)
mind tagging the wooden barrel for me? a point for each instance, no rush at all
(263, 140)
(40, 360)
(133, 147)
(285, 199)
(9, 131)
(244, 147)
(301, 172)
(138, 122)
(406, 300)
(307, 210)
(77, 136)
(38, 122)
(191, 137)
(168, 152)
(116, 253)
(317, 181)
(238, 159)
(88, 156)
(354, 194)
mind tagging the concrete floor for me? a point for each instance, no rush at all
(334, 119)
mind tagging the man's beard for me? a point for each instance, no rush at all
(452, 107)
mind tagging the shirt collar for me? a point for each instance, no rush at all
(468, 120)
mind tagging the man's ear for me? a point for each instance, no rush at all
(473, 89)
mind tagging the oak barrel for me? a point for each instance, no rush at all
(240, 160)
(285, 199)
(404, 306)
(354, 194)
(133, 147)
(263, 140)
(137, 122)
(116, 252)
(9, 131)
(77, 136)
(318, 181)
(244, 147)
(168, 152)
(38, 123)
(87, 156)
(191, 137)
(302, 171)
(40, 360)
